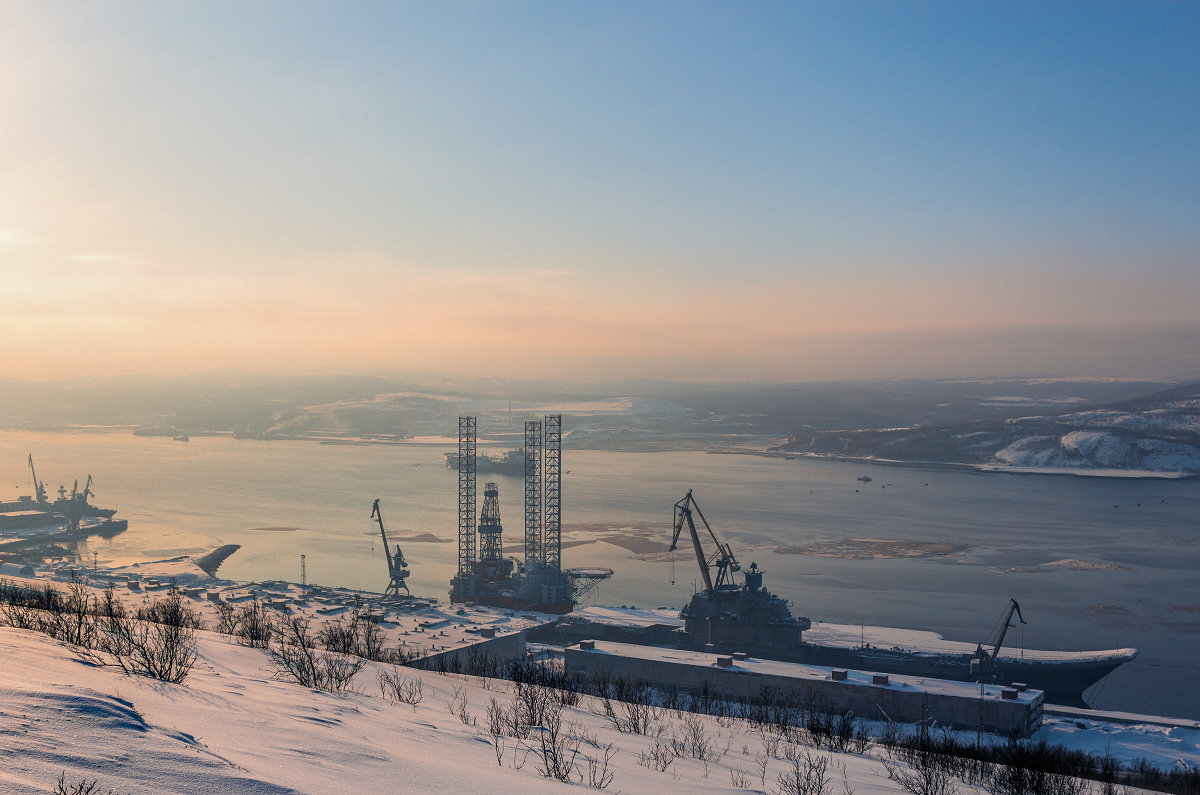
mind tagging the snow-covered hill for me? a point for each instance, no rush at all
(231, 728)
(1156, 434)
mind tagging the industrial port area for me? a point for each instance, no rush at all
(734, 637)
(735, 647)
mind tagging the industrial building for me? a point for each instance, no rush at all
(1007, 710)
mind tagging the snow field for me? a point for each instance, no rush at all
(231, 728)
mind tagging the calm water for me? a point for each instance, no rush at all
(183, 498)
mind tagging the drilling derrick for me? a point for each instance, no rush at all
(556, 589)
(492, 565)
(463, 586)
(552, 529)
(491, 579)
(533, 493)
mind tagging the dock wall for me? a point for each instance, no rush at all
(869, 696)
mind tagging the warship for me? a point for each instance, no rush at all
(727, 616)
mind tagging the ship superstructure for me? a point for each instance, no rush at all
(726, 617)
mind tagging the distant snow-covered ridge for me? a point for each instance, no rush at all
(1158, 434)
(1100, 450)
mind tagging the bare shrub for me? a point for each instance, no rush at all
(358, 634)
(255, 625)
(228, 618)
(841, 732)
(808, 775)
(530, 705)
(598, 773)
(693, 741)
(294, 656)
(400, 688)
(84, 787)
(72, 622)
(458, 706)
(657, 757)
(629, 706)
(557, 749)
(496, 722)
(160, 641)
(925, 775)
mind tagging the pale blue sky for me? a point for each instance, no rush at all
(688, 189)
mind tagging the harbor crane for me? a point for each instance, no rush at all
(721, 559)
(78, 501)
(984, 664)
(38, 486)
(397, 570)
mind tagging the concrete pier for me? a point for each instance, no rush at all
(994, 709)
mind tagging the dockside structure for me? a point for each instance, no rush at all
(1005, 710)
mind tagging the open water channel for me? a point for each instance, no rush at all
(1126, 552)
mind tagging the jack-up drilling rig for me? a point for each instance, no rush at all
(395, 561)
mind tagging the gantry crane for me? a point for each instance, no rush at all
(395, 561)
(721, 559)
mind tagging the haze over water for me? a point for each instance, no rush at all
(187, 498)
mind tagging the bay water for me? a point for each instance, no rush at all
(1131, 547)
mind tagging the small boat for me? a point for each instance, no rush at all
(865, 478)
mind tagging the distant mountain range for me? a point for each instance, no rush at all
(1093, 423)
(1159, 432)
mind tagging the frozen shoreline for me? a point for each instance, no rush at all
(1083, 472)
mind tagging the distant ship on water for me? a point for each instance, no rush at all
(511, 462)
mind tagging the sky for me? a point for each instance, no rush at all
(729, 191)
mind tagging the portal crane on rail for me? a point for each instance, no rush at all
(721, 559)
(78, 502)
(38, 486)
(396, 563)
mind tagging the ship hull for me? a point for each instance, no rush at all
(741, 626)
(1063, 682)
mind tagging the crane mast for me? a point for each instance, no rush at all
(395, 562)
(722, 557)
(1013, 607)
(984, 665)
(75, 512)
(38, 487)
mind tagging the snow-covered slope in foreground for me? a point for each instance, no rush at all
(232, 729)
